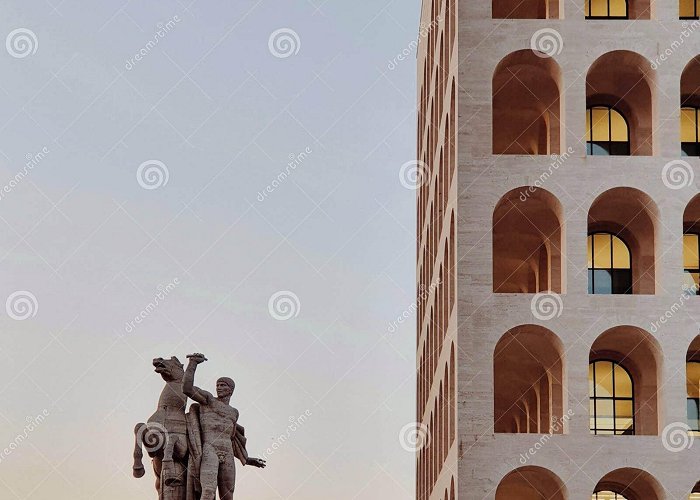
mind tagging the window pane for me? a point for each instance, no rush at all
(621, 254)
(621, 281)
(601, 128)
(688, 126)
(601, 245)
(600, 149)
(690, 149)
(619, 148)
(692, 376)
(604, 415)
(623, 383)
(590, 381)
(623, 410)
(599, 8)
(590, 252)
(604, 380)
(618, 125)
(686, 8)
(691, 259)
(588, 111)
(618, 8)
(693, 414)
(602, 281)
(590, 281)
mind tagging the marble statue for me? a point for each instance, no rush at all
(193, 453)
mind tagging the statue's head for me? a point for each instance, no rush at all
(170, 369)
(225, 387)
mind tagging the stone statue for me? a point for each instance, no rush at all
(165, 434)
(193, 453)
(222, 439)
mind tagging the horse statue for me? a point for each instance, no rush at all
(164, 436)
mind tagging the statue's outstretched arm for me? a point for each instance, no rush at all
(193, 392)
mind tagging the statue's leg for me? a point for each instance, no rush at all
(208, 472)
(227, 478)
(138, 469)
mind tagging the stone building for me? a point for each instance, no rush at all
(558, 147)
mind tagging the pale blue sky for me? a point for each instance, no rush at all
(223, 114)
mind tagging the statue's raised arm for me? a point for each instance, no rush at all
(192, 391)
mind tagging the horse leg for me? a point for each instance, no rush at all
(138, 469)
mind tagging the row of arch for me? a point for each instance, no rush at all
(593, 9)
(627, 483)
(527, 105)
(623, 227)
(441, 427)
(529, 373)
(437, 119)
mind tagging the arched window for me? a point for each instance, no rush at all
(695, 495)
(692, 380)
(691, 262)
(609, 265)
(607, 132)
(611, 398)
(690, 138)
(688, 9)
(606, 9)
(607, 495)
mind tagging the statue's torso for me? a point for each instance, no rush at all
(218, 421)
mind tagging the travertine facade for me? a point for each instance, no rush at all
(509, 198)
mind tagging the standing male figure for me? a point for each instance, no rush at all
(220, 434)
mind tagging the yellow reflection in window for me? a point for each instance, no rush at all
(623, 383)
(688, 8)
(689, 125)
(607, 495)
(692, 377)
(691, 259)
(599, 8)
(607, 251)
(603, 380)
(694, 496)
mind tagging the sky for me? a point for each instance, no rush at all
(218, 177)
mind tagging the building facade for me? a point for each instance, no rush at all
(558, 349)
